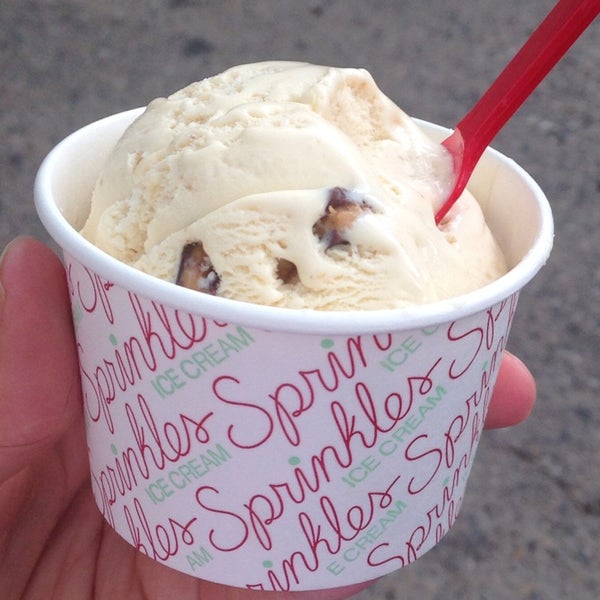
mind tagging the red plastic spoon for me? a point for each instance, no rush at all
(547, 44)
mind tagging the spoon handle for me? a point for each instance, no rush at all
(548, 43)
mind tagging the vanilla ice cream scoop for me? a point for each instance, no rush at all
(293, 185)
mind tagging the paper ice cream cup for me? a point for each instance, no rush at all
(281, 449)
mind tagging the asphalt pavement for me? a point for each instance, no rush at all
(530, 524)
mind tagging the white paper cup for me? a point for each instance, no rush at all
(273, 448)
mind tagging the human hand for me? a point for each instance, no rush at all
(54, 542)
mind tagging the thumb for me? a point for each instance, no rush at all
(514, 394)
(39, 380)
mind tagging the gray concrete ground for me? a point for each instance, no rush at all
(530, 525)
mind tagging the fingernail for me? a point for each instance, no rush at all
(2, 260)
(2, 293)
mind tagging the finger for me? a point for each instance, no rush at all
(39, 383)
(514, 394)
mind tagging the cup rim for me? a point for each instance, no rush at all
(332, 322)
